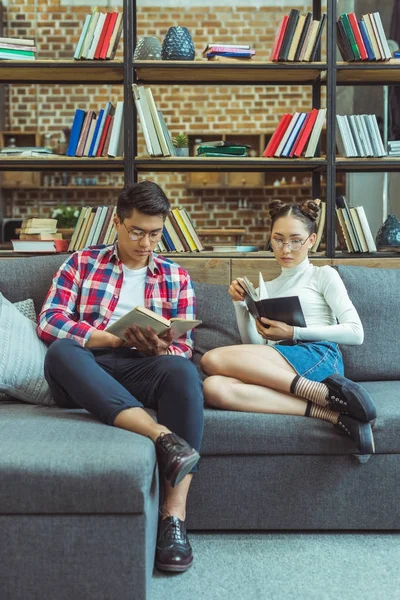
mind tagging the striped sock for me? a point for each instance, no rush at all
(310, 390)
(319, 412)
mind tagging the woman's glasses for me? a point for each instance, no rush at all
(137, 234)
(294, 245)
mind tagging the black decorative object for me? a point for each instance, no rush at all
(178, 44)
(389, 232)
(148, 48)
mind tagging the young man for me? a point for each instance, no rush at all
(87, 367)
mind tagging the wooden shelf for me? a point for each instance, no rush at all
(241, 73)
(61, 163)
(350, 165)
(368, 73)
(61, 71)
(248, 164)
(284, 186)
(59, 187)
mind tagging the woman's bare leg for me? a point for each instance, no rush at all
(229, 393)
(251, 364)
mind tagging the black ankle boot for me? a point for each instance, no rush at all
(175, 457)
(173, 552)
(360, 433)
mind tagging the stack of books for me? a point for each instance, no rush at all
(17, 49)
(296, 134)
(179, 234)
(228, 52)
(100, 36)
(362, 40)
(98, 135)
(352, 228)
(157, 137)
(298, 37)
(39, 235)
(222, 148)
(358, 136)
(394, 148)
(94, 227)
(40, 151)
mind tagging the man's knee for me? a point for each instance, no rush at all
(60, 350)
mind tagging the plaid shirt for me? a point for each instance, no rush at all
(86, 288)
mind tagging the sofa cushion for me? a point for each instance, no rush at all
(219, 328)
(65, 461)
(375, 294)
(21, 357)
(27, 308)
(17, 281)
(240, 433)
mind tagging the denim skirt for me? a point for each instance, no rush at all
(313, 360)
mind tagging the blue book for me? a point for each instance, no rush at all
(292, 137)
(95, 134)
(367, 41)
(75, 132)
(168, 241)
(108, 110)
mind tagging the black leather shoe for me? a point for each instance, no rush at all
(360, 433)
(173, 552)
(349, 398)
(175, 457)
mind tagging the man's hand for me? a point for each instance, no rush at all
(274, 330)
(147, 341)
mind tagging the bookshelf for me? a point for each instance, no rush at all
(318, 75)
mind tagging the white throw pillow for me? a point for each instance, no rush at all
(22, 356)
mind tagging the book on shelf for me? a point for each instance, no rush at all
(39, 222)
(115, 37)
(352, 227)
(94, 17)
(95, 226)
(144, 317)
(155, 131)
(358, 136)
(230, 150)
(116, 142)
(293, 132)
(231, 51)
(362, 39)
(40, 246)
(286, 309)
(91, 135)
(79, 46)
(298, 37)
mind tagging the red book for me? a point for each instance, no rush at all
(103, 135)
(61, 245)
(302, 128)
(357, 34)
(102, 36)
(277, 135)
(279, 38)
(109, 32)
(306, 133)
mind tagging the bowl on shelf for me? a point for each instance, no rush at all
(148, 48)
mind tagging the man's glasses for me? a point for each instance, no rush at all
(137, 234)
(294, 245)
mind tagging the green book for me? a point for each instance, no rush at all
(349, 32)
(219, 154)
(21, 53)
(225, 150)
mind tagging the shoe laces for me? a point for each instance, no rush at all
(166, 443)
(173, 530)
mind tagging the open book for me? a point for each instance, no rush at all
(143, 317)
(287, 309)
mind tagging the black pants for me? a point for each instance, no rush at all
(106, 381)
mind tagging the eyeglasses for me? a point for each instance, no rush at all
(136, 234)
(294, 245)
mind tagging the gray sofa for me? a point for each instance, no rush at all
(79, 499)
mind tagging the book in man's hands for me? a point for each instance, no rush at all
(143, 317)
(286, 309)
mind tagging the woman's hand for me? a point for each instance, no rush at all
(147, 341)
(236, 291)
(274, 330)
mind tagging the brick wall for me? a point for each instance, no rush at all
(194, 109)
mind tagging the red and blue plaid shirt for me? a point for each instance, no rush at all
(86, 289)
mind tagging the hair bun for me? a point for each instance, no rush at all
(310, 208)
(275, 206)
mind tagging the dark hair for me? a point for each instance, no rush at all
(146, 197)
(306, 212)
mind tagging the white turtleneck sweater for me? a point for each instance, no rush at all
(328, 311)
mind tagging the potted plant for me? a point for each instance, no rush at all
(181, 144)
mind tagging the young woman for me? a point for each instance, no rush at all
(295, 370)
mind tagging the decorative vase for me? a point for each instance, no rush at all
(178, 44)
(389, 232)
(182, 151)
(148, 48)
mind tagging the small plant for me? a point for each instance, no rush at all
(180, 141)
(66, 216)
